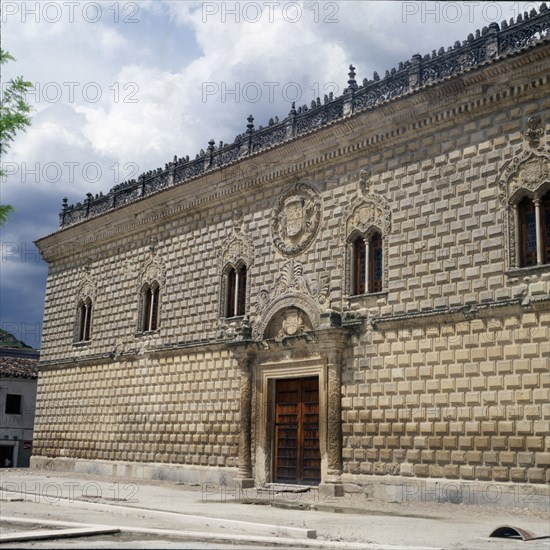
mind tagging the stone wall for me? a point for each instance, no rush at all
(465, 400)
(448, 374)
(175, 409)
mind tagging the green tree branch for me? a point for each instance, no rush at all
(14, 117)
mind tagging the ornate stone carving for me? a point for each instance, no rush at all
(293, 280)
(377, 211)
(237, 330)
(528, 172)
(238, 246)
(153, 270)
(290, 321)
(334, 421)
(534, 132)
(293, 288)
(296, 219)
(87, 287)
(309, 308)
(245, 421)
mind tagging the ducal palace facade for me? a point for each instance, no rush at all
(355, 296)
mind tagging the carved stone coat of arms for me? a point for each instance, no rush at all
(296, 219)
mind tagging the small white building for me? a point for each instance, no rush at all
(18, 378)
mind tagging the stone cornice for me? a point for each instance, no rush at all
(168, 349)
(459, 314)
(265, 164)
(488, 46)
(326, 340)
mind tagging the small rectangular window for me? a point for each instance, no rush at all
(13, 404)
(359, 266)
(231, 284)
(528, 233)
(375, 264)
(241, 298)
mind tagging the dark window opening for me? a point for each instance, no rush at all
(241, 292)
(545, 222)
(368, 265)
(359, 262)
(375, 263)
(13, 404)
(85, 321)
(528, 233)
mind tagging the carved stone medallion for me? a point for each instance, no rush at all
(528, 174)
(296, 219)
(289, 321)
(292, 323)
(533, 172)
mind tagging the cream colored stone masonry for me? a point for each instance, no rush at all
(444, 374)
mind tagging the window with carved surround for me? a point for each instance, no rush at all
(366, 230)
(83, 331)
(235, 290)
(525, 193)
(150, 297)
(150, 282)
(236, 260)
(85, 304)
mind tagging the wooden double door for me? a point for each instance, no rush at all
(296, 447)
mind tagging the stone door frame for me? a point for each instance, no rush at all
(268, 373)
(317, 353)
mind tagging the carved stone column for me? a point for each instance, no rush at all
(244, 475)
(333, 346)
(538, 228)
(334, 417)
(515, 260)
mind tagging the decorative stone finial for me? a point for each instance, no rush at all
(65, 203)
(352, 83)
(534, 132)
(250, 125)
(364, 181)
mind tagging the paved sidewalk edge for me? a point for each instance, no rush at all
(58, 534)
(268, 529)
(199, 536)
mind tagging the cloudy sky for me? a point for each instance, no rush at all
(122, 87)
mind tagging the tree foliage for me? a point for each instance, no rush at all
(14, 116)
